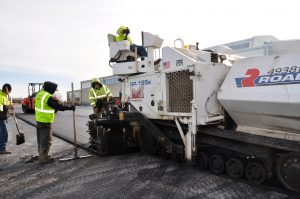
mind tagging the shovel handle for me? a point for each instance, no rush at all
(14, 115)
(74, 124)
(12, 111)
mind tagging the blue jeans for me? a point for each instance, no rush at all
(141, 50)
(3, 135)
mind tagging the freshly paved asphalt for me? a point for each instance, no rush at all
(63, 124)
(142, 179)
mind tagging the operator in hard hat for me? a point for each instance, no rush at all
(122, 34)
(45, 106)
(5, 104)
(98, 94)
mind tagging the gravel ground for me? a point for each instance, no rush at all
(125, 176)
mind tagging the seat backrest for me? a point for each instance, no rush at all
(119, 50)
(111, 38)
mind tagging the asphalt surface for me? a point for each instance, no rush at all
(132, 175)
(63, 125)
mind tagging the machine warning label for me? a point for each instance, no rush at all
(276, 76)
(137, 88)
(137, 93)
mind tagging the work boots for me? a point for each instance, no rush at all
(45, 159)
(5, 152)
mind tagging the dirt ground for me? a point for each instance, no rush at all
(125, 176)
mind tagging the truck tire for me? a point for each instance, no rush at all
(25, 108)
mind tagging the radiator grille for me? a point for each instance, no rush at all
(180, 91)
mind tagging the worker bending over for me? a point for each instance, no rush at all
(98, 95)
(45, 106)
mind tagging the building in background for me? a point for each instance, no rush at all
(258, 46)
(255, 46)
(285, 47)
(17, 100)
(77, 97)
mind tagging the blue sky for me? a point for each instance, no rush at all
(66, 40)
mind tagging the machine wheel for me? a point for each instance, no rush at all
(148, 143)
(25, 109)
(288, 171)
(256, 173)
(216, 164)
(235, 168)
(202, 161)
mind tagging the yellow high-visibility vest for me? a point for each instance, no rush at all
(43, 112)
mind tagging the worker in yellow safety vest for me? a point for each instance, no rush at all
(123, 34)
(5, 104)
(45, 107)
(98, 94)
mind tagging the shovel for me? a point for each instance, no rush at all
(20, 138)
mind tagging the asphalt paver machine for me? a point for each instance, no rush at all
(198, 106)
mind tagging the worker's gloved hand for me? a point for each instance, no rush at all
(99, 103)
(71, 108)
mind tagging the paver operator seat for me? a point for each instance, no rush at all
(119, 51)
